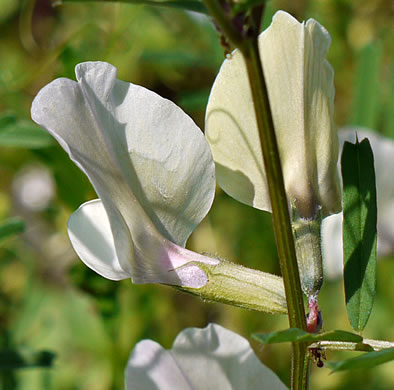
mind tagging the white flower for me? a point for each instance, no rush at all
(149, 164)
(301, 92)
(34, 188)
(213, 358)
(383, 150)
(153, 172)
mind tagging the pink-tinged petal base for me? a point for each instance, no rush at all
(155, 260)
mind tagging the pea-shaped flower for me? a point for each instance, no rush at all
(132, 145)
(301, 92)
(213, 358)
(153, 171)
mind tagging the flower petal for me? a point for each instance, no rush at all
(383, 149)
(211, 358)
(91, 237)
(151, 367)
(332, 252)
(300, 88)
(147, 160)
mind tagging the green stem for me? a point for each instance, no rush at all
(280, 212)
(300, 366)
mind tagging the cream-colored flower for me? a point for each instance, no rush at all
(301, 92)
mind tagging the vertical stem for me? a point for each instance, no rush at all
(280, 212)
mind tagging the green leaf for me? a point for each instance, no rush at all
(7, 120)
(23, 134)
(367, 360)
(359, 231)
(299, 335)
(189, 5)
(10, 227)
(11, 359)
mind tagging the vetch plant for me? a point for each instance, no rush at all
(271, 138)
(154, 174)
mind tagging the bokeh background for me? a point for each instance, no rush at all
(48, 299)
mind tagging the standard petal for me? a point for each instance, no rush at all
(301, 92)
(230, 128)
(225, 359)
(91, 237)
(320, 133)
(123, 133)
(383, 149)
(174, 170)
(148, 162)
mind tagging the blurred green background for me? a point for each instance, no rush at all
(48, 299)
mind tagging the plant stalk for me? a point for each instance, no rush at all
(280, 211)
(367, 345)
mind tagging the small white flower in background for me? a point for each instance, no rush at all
(34, 188)
(383, 150)
(213, 358)
(149, 164)
(301, 92)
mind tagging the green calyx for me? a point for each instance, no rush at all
(307, 239)
(236, 285)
